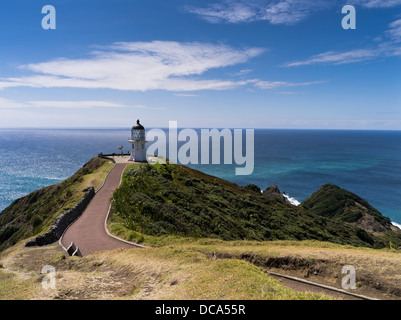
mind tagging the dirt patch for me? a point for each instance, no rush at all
(101, 284)
(76, 278)
(95, 279)
(286, 263)
(368, 223)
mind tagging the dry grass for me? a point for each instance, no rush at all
(192, 269)
(378, 271)
(155, 273)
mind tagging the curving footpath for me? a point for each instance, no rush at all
(88, 232)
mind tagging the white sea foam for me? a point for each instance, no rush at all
(291, 200)
(398, 225)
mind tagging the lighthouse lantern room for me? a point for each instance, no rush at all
(138, 141)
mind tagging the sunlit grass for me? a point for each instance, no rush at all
(73, 193)
(153, 273)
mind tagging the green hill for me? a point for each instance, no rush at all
(35, 213)
(163, 200)
(342, 205)
(176, 200)
(334, 202)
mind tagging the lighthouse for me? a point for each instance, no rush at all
(137, 141)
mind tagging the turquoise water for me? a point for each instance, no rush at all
(367, 163)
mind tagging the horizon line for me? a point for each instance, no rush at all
(152, 127)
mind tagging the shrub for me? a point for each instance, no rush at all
(252, 187)
(36, 221)
(175, 200)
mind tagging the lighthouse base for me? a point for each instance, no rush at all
(138, 153)
(132, 159)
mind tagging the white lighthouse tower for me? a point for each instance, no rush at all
(137, 141)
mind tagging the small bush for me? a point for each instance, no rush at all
(36, 221)
(252, 187)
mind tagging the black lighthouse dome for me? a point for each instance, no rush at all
(138, 126)
(138, 132)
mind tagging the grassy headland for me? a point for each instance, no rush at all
(161, 200)
(208, 239)
(35, 213)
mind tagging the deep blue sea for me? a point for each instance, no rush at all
(367, 163)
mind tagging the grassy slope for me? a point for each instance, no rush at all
(196, 269)
(156, 273)
(162, 200)
(179, 267)
(35, 213)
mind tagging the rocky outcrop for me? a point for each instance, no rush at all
(334, 202)
(274, 192)
(63, 221)
(369, 224)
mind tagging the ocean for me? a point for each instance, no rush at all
(367, 163)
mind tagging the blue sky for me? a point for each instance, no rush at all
(215, 63)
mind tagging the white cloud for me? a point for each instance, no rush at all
(279, 84)
(276, 12)
(333, 57)
(388, 46)
(10, 104)
(243, 72)
(230, 12)
(395, 30)
(139, 66)
(292, 11)
(288, 92)
(83, 104)
(286, 12)
(377, 3)
(186, 95)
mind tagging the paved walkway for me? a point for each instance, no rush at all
(88, 231)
